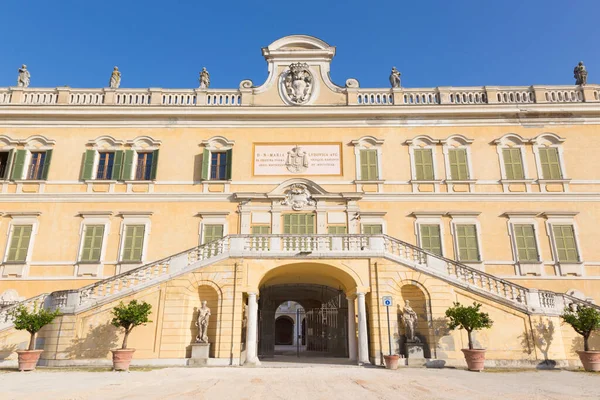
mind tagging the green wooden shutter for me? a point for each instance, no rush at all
(229, 155)
(134, 242)
(336, 230)
(88, 164)
(92, 243)
(566, 247)
(128, 165)
(468, 248)
(424, 164)
(9, 162)
(212, 233)
(287, 223)
(261, 229)
(431, 239)
(154, 167)
(17, 172)
(513, 164)
(19, 243)
(372, 229)
(117, 165)
(206, 164)
(368, 165)
(46, 166)
(458, 164)
(299, 224)
(550, 164)
(526, 244)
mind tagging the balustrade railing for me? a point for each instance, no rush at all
(516, 96)
(420, 97)
(375, 98)
(564, 96)
(5, 96)
(86, 97)
(6, 317)
(137, 98)
(178, 98)
(223, 98)
(40, 96)
(472, 96)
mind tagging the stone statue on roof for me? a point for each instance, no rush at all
(115, 79)
(580, 74)
(395, 78)
(204, 79)
(24, 77)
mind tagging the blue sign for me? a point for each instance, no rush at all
(387, 301)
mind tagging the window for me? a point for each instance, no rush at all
(459, 169)
(374, 229)
(368, 165)
(143, 167)
(212, 233)
(430, 238)
(5, 158)
(260, 243)
(105, 166)
(336, 229)
(19, 243)
(31, 165)
(424, 165)
(299, 224)
(218, 166)
(261, 229)
(513, 163)
(526, 244)
(134, 243)
(566, 247)
(92, 243)
(468, 248)
(550, 163)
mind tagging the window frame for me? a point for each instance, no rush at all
(423, 142)
(368, 143)
(219, 166)
(467, 218)
(564, 218)
(524, 267)
(148, 166)
(458, 142)
(513, 141)
(545, 141)
(134, 218)
(429, 218)
(216, 144)
(212, 218)
(20, 219)
(11, 152)
(96, 167)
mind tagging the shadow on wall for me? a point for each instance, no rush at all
(594, 342)
(541, 338)
(7, 350)
(96, 344)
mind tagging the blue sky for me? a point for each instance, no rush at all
(166, 43)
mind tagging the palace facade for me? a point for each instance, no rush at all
(302, 192)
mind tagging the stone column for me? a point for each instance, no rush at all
(251, 331)
(363, 342)
(351, 329)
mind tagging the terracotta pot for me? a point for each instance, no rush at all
(590, 360)
(475, 359)
(122, 359)
(28, 359)
(391, 362)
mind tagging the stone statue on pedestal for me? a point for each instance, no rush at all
(24, 77)
(580, 74)
(410, 318)
(204, 79)
(395, 78)
(115, 79)
(202, 323)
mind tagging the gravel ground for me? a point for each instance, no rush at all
(311, 383)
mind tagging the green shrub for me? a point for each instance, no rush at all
(129, 316)
(584, 321)
(32, 321)
(469, 318)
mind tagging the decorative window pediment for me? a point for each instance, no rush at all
(457, 158)
(105, 142)
(217, 143)
(141, 143)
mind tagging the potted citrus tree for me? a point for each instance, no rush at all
(585, 320)
(470, 318)
(32, 322)
(128, 317)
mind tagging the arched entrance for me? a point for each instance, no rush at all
(284, 330)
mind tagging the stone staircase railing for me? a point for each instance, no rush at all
(338, 246)
(6, 318)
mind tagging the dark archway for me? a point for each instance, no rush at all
(284, 330)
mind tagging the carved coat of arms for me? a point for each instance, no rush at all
(298, 197)
(298, 83)
(297, 160)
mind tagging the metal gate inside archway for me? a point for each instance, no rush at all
(320, 324)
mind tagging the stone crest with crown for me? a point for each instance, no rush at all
(298, 197)
(298, 82)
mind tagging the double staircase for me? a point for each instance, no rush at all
(300, 246)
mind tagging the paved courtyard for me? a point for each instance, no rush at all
(307, 382)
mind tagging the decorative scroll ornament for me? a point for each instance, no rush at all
(297, 160)
(298, 197)
(298, 83)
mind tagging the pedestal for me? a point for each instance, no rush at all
(200, 352)
(415, 354)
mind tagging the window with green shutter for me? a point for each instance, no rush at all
(299, 224)
(526, 244)
(566, 247)
(336, 229)
(92, 243)
(468, 248)
(134, 243)
(430, 238)
(368, 165)
(424, 164)
(550, 163)
(261, 229)
(19, 243)
(212, 233)
(459, 170)
(260, 243)
(513, 163)
(373, 229)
